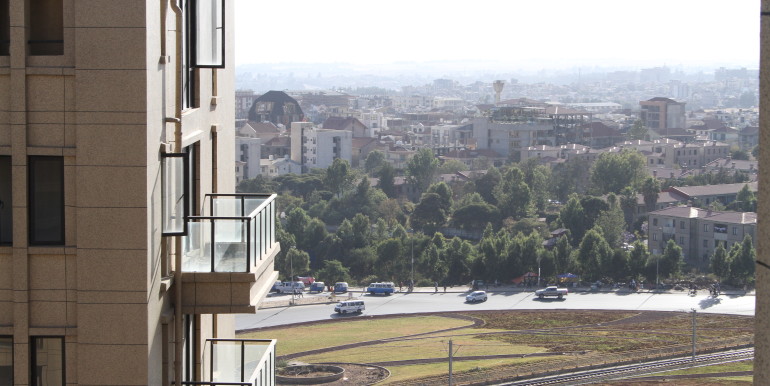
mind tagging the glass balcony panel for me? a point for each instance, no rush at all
(196, 250)
(230, 254)
(250, 205)
(226, 362)
(226, 207)
(254, 251)
(257, 358)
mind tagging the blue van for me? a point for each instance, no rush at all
(386, 288)
(340, 287)
(317, 286)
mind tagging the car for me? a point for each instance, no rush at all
(317, 286)
(386, 288)
(476, 296)
(350, 306)
(340, 287)
(289, 287)
(552, 291)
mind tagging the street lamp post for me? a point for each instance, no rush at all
(411, 282)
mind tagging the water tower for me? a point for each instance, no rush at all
(498, 85)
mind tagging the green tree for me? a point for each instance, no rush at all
(429, 214)
(445, 193)
(572, 217)
(561, 254)
(613, 224)
(333, 271)
(628, 204)
(512, 194)
(743, 256)
(475, 216)
(650, 191)
(755, 152)
(421, 169)
(638, 258)
(745, 201)
(338, 176)
(296, 262)
(459, 256)
(593, 253)
(672, 260)
(374, 161)
(720, 265)
(258, 184)
(485, 185)
(739, 154)
(451, 166)
(387, 176)
(612, 172)
(389, 258)
(296, 221)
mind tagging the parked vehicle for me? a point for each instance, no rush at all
(317, 286)
(476, 296)
(341, 287)
(288, 287)
(350, 306)
(552, 291)
(306, 280)
(275, 286)
(386, 288)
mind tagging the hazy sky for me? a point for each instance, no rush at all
(527, 33)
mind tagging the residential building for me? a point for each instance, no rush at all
(273, 167)
(662, 114)
(509, 130)
(318, 148)
(698, 231)
(116, 168)
(276, 107)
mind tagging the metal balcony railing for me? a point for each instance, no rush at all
(240, 362)
(236, 237)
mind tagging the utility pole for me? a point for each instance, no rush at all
(450, 362)
(411, 282)
(694, 337)
(291, 279)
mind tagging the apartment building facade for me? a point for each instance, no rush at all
(318, 148)
(699, 231)
(116, 170)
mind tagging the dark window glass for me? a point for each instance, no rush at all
(6, 361)
(5, 28)
(46, 200)
(46, 27)
(47, 361)
(6, 223)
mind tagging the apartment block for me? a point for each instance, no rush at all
(318, 148)
(124, 251)
(699, 231)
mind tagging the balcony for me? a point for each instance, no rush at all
(228, 257)
(241, 362)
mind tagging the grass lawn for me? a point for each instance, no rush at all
(725, 367)
(402, 373)
(309, 337)
(595, 331)
(424, 348)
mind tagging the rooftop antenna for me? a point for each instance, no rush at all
(498, 85)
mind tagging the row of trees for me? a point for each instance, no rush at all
(338, 225)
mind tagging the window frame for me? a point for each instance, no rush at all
(33, 341)
(196, 35)
(31, 190)
(6, 203)
(10, 338)
(185, 193)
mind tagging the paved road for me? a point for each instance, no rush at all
(455, 301)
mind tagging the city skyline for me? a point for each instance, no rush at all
(561, 34)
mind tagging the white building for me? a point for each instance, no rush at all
(318, 148)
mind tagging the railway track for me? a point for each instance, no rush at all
(636, 370)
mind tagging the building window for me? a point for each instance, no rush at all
(681, 224)
(209, 36)
(705, 243)
(735, 230)
(681, 240)
(654, 237)
(655, 221)
(6, 360)
(705, 227)
(47, 356)
(6, 223)
(46, 200)
(5, 28)
(175, 193)
(46, 27)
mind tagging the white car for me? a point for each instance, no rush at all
(476, 296)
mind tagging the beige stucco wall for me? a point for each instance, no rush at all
(102, 106)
